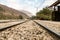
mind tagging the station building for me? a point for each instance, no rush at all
(56, 10)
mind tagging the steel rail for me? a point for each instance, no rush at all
(48, 29)
(6, 27)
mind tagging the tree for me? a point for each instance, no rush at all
(1, 9)
(33, 17)
(20, 17)
(44, 14)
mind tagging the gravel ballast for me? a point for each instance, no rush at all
(26, 31)
(55, 26)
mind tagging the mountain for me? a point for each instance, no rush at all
(27, 13)
(10, 13)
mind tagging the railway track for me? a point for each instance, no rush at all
(28, 30)
(10, 24)
(6, 21)
(49, 29)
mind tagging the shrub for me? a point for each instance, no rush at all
(44, 14)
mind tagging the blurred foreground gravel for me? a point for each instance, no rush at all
(55, 26)
(26, 31)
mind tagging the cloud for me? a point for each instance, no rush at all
(13, 3)
(28, 5)
(47, 3)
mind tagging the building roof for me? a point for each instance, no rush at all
(54, 4)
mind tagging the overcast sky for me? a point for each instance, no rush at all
(27, 5)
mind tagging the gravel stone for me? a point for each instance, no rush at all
(26, 31)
